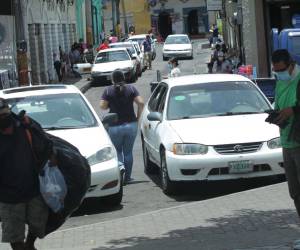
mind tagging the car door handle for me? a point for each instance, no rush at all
(149, 125)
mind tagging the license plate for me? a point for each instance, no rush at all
(86, 69)
(240, 167)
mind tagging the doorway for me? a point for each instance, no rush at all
(164, 24)
(193, 22)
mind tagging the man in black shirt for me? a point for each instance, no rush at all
(119, 99)
(20, 200)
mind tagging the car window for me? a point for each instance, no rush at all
(162, 103)
(213, 99)
(127, 46)
(156, 97)
(58, 110)
(177, 40)
(111, 56)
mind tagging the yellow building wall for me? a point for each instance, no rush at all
(141, 15)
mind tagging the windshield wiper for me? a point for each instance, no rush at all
(239, 113)
(60, 128)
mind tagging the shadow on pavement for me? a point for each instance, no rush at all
(94, 206)
(244, 229)
(196, 191)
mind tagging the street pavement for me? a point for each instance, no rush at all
(258, 219)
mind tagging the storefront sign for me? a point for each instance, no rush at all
(296, 21)
(213, 5)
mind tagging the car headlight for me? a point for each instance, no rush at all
(105, 154)
(274, 143)
(189, 149)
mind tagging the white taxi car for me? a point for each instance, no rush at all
(108, 60)
(209, 128)
(179, 46)
(62, 110)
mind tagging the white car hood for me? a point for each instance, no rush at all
(87, 140)
(225, 129)
(111, 66)
(177, 46)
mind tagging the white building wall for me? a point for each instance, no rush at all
(180, 16)
(54, 30)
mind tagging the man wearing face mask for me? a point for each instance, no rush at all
(20, 200)
(287, 94)
(119, 99)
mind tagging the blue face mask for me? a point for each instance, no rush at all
(170, 66)
(283, 76)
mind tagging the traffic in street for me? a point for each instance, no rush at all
(145, 194)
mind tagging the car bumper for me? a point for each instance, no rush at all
(101, 77)
(180, 54)
(105, 179)
(213, 166)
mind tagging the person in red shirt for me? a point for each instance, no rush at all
(104, 45)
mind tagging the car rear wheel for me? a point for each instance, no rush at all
(168, 186)
(149, 166)
(133, 77)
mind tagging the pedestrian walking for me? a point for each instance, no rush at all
(119, 99)
(175, 71)
(222, 65)
(147, 48)
(287, 106)
(57, 66)
(215, 33)
(104, 45)
(20, 199)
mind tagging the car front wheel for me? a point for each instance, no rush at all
(168, 186)
(149, 166)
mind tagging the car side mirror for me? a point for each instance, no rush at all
(109, 119)
(154, 117)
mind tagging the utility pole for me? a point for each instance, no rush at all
(113, 8)
(125, 17)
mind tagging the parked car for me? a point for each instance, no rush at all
(133, 52)
(178, 46)
(209, 128)
(108, 60)
(140, 39)
(63, 111)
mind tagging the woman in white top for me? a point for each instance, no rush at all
(175, 71)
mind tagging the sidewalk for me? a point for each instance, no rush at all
(259, 219)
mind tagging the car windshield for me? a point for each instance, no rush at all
(112, 56)
(128, 46)
(177, 40)
(215, 99)
(57, 111)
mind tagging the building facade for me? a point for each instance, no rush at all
(248, 24)
(179, 16)
(47, 25)
(134, 16)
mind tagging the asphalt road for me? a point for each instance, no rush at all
(144, 194)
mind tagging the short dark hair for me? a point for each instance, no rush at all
(281, 55)
(118, 77)
(174, 60)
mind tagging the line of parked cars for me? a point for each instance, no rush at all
(127, 56)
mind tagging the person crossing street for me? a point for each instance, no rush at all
(119, 99)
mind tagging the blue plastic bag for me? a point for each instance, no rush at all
(53, 187)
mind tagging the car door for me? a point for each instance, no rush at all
(151, 127)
